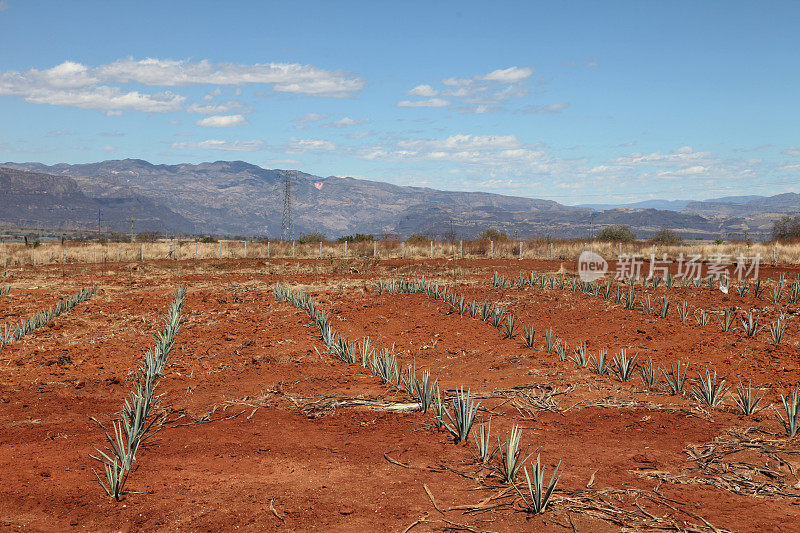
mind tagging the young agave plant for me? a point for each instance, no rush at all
(497, 317)
(748, 399)
(463, 416)
(528, 334)
(726, 320)
(650, 374)
(539, 496)
(742, 288)
(561, 350)
(623, 366)
(663, 306)
(776, 329)
(426, 391)
(669, 281)
(366, 351)
(630, 300)
(647, 305)
(486, 310)
(674, 379)
(750, 325)
(599, 365)
(702, 318)
(708, 390)
(777, 292)
(549, 336)
(483, 445)
(474, 309)
(757, 288)
(409, 380)
(683, 311)
(384, 366)
(792, 410)
(794, 292)
(579, 357)
(439, 409)
(510, 327)
(510, 457)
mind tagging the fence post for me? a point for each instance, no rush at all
(245, 249)
(117, 254)
(320, 249)
(292, 249)
(34, 257)
(195, 249)
(551, 251)
(95, 254)
(431, 255)
(491, 249)
(461, 249)
(4, 259)
(374, 248)
(267, 249)
(620, 250)
(64, 256)
(345, 247)
(520, 250)
(170, 251)
(220, 249)
(141, 253)
(402, 250)
(775, 262)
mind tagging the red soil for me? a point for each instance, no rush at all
(248, 444)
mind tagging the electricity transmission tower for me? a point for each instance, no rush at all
(286, 220)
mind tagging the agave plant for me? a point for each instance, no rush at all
(776, 329)
(709, 390)
(486, 310)
(674, 379)
(748, 399)
(561, 350)
(483, 446)
(409, 380)
(630, 300)
(650, 374)
(750, 325)
(426, 391)
(528, 334)
(463, 416)
(600, 364)
(579, 357)
(510, 327)
(794, 292)
(726, 319)
(663, 306)
(777, 292)
(669, 281)
(757, 288)
(683, 311)
(647, 305)
(439, 409)
(623, 366)
(792, 410)
(511, 457)
(742, 288)
(496, 317)
(549, 336)
(474, 309)
(702, 318)
(384, 366)
(538, 495)
(366, 351)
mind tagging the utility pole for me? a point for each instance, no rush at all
(286, 219)
(99, 212)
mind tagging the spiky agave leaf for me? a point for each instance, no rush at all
(463, 416)
(539, 496)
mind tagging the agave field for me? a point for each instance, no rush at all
(396, 395)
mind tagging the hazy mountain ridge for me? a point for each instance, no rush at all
(234, 197)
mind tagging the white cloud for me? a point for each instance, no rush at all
(61, 132)
(430, 102)
(109, 148)
(345, 122)
(551, 109)
(222, 121)
(4, 5)
(284, 77)
(311, 117)
(215, 109)
(793, 151)
(500, 76)
(425, 91)
(215, 144)
(73, 84)
(303, 145)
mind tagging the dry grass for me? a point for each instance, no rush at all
(16, 254)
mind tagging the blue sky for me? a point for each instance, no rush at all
(579, 102)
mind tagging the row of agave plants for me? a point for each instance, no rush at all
(707, 388)
(458, 418)
(41, 318)
(659, 307)
(141, 416)
(5, 290)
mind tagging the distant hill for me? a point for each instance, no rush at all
(234, 197)
(31, 199)
(664, 205)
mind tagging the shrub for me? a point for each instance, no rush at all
(418, 239)
(667, 236)
(358, 237)
(208, 239)
(616, 233)
(147, 236)
(786, 229)
(492, 235)
(312, 237)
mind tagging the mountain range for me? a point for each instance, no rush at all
(238, 198)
